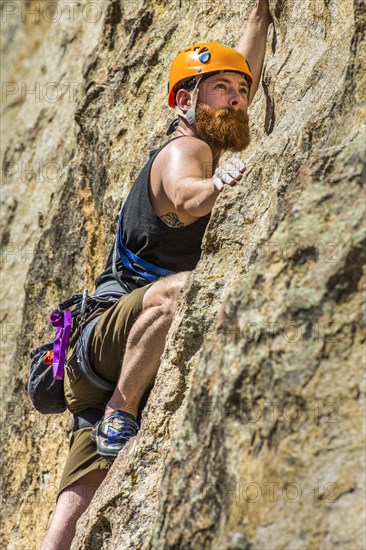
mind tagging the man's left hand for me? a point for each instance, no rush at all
(260, 11)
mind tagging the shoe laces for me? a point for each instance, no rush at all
(121, 428)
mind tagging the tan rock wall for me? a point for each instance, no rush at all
(252, 437)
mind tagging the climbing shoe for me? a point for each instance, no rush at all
(112, 433)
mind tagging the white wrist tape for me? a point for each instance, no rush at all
(218, 183)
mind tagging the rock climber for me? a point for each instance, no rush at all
(164, 220)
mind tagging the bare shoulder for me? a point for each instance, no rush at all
(188, 146)
(186, 157)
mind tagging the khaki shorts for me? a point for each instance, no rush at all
(105, 351)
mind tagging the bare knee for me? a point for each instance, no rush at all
(173, 286)
(165, 293)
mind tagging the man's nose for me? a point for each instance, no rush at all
(234, 98)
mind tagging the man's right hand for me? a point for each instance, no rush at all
(229, 172)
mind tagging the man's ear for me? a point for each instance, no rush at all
(183, 100)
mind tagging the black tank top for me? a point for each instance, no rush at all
(147, 236)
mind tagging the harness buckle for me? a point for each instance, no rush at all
(84, 301)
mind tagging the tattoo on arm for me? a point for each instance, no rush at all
(171, 219)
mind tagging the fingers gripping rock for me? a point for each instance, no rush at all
(228, 173)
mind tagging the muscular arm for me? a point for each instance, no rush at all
(187, 177)
(253, 42)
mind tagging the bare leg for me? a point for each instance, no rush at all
(72, 502)
(145, 344)
(141, 361)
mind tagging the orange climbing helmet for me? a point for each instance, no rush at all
(204, 58)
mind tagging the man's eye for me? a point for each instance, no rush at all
(243, 91)
(220, 86)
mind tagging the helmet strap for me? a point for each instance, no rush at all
(190, 115)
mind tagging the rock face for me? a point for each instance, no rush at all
(252, 436)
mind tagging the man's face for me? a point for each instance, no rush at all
(221, 112)
(225, 90)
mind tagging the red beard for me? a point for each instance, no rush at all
(223, 128)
